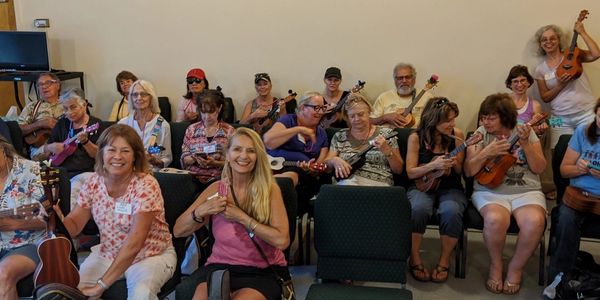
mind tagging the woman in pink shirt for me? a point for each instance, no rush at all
(125, 201)
(245, 204)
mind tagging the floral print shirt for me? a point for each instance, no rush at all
(23, 186)
(195, 141)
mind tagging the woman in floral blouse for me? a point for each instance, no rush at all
(125, 201)
(20, 184)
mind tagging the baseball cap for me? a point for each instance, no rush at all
(197, 73)
(261, 76)
(333, 72)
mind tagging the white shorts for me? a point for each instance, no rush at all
(510, 201)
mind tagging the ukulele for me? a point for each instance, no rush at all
(277, 163)
(431, 83)
(493, 172)
(571, 63)
(332, 115)
(27, 211)
(69, 146)
(55, 265)
(265, 122)
(38, 137)
(358, 159)
(431, 181)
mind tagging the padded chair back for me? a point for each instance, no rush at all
(165, 108)
(290, 200)
(557, 157)
(403, 134)
(177, 134)
(16, 135)
(228, 111)
(362, 233)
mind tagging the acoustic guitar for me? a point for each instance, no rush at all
(431, 181)
(69, 147)
(431, 83)
(265, 122)
(38, 137)
(54, 251)
(493, 172)
(571, 63)
(358, 159)
(331, 115)
(277, 163)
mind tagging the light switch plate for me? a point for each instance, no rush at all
(41, 23)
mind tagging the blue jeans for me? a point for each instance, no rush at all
(452, 204)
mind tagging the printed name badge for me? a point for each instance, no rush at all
(123, 208)
(549, 75)
(210, 148)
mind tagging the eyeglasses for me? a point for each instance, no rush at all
(441, 102)
(489, 118)
(140, 94)
(550, 39)
(521, 81)
(317, 108)
(401, 78)
(193, 80)
(47, 83)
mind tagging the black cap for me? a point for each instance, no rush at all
(333, 72)
(261, 76)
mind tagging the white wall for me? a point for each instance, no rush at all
(470, 44)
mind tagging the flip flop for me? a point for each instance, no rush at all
(435, 274)
(511, 288)
(494, 286)
(419, 273)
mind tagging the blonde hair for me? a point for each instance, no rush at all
(258, 199)
(353, 100)
(148, 88)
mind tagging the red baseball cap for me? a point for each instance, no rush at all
(197, 73)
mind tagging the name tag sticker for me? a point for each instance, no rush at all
(123, 208)
(549, 75)
(208, 149)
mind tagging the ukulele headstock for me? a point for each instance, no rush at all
(49, 178)
(583, 15)
(431, 82)
(359, 86)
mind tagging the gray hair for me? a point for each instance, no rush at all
(305, 98)
(148, 88)
(74, 93)
(538, 37)
(404, 66)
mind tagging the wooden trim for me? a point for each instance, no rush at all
(8, 22)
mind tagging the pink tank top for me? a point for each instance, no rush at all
(234, 247)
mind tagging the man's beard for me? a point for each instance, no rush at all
(405, 90)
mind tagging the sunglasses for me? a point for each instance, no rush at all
(441, 102)
(193, 80)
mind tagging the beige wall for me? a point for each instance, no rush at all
(470, 44)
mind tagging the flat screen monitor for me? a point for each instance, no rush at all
(23, 51)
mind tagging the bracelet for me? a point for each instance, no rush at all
(249, 225)
(86, 141)
(197, 219)
(254, 227)
(102, 284)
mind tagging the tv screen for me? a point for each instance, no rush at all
(23, 51)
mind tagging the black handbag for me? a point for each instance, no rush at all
(282, 274)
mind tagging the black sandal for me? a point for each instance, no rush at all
(424, 277)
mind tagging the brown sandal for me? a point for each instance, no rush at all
(437, 271)
(511, 288)
(419, 273)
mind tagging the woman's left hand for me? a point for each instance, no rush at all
(523, 132)
(234, 213)
(94, 292)
(155, 161)
(207, 162)
(82, 137)
(381, 143)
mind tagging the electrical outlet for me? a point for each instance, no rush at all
(41, 23)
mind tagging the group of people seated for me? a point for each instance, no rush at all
(234, 170)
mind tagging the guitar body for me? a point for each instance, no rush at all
(492, 174)
(571, 64)
(38, 137)
(430, 182)
(55, 265)
(58, 159)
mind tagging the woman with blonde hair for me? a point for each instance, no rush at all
(245, 205)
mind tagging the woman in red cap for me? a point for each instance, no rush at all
(187, 108)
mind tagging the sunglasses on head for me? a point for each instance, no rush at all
(193, 80)
(441, 102)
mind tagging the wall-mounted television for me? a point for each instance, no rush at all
(23, 51)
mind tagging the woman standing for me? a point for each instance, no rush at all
(154, 130)
(120, 109)
(571, 99)
(435, 137)
(204, 143)
(518, 195)
(245, 204)
(187, 109)
(333, 94)
(20, 185)
(381, 161)
(126, 203)
(518, 81)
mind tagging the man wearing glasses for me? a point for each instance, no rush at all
(39, 117)
(389, 106)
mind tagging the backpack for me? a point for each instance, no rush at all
(582, 281)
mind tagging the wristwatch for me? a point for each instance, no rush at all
(102, 284)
